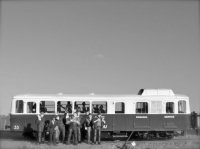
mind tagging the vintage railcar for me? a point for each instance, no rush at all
(151, 112)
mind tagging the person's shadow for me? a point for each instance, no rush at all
(28, 132)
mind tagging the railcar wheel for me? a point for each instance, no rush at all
(170, 136)
(146, 136)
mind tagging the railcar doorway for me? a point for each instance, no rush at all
(141, 119)
(119, 119)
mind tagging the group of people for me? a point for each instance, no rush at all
(83, 109)
(75, 127)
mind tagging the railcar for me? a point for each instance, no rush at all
(150, 113)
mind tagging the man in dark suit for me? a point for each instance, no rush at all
(83, 129)
(52, 130)
(40, 121)
(88, 127)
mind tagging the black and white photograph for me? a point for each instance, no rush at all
(99, 74)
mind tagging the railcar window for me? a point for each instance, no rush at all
(31, 107)
(181, 106)
(99, 106)
(47, 106)
(119, 107)
(64, 105)
(169, 107)
(141, 107)
(156, 107)
(82, 106)
(19, 106)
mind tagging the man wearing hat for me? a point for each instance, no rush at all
(52, 130)
(98, 123)
(40, 126)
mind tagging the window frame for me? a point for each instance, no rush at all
(173, 107)
(185, 107)
(106, 104)
(141, 108)
(71, 102)
(157, 100)
(23, 108)
(124, 107)
(73, 105)
(55, 105)
(27, 106)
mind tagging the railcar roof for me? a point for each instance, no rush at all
(92, 96)
(72, 95)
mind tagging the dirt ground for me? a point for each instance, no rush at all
(183, 142)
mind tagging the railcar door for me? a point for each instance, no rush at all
(119, 122)
(141, 119)
(169, 118)
(119, 119)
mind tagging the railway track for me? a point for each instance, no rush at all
(13, 140)
(18, 136)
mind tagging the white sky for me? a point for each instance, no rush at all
(104, 47)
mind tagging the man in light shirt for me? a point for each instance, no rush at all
(98, 122)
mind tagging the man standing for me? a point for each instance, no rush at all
(88, 127)
(66, 120)
(98, 123)
(79, 126)
(52, 130)
(61, 127)
(40, 126)
(83, 129)
(57, 129)
(73, 123)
